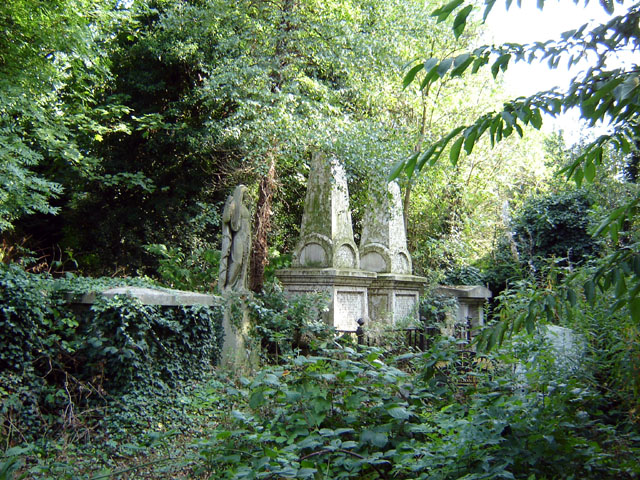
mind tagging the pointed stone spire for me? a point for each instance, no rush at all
(326, 235)
(383, 246)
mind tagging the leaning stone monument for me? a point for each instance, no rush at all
(326, 258)
(232, 279)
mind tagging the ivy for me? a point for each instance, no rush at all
(59, 364)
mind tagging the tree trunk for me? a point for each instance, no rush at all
(262, 226)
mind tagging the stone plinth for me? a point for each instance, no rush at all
(383, 247)
(347, 291)
(394, 297)
(471, 300)
(326, 233)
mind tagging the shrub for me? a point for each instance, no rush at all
(286, 324)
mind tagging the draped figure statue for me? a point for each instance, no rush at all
(236, 242)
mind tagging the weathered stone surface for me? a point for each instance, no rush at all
(394, 297)
(383, 246)
(150, 296)
(347, 290)
(471, 300)
(236, 242)
(326, 234)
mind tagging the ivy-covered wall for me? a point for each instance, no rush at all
(63, 369)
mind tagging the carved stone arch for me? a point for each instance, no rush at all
(314, 251)
(375, 257)
(401, 263)
(345, 255)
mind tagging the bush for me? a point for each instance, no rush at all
(61, 369)
(285, 324)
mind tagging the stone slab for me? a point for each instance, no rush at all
(149, 296)
(465, 291)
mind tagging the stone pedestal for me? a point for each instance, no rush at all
(395, 297)
(346, 289)
(238, 354)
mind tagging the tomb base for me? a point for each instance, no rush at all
(471, 300)
(395, 297)
(347, 291)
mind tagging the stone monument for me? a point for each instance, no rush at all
(326, 235)
(236, 242)
(394, 295)
(326, 258)
(232, 279)
(469, 315)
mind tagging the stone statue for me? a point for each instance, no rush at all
(236, 242)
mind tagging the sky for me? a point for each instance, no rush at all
(528, 24)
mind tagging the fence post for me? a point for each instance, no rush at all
(360, 331)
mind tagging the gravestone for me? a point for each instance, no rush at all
(326, 234)
(326, 258)
(394, 295)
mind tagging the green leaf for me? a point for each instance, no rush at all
(500, 64)
(634, 308)
(590, 291)
(460, 21)
(411, 165)
(256, 399)
(454, 153)
(621, 284)
(377, 439)
(444, 66)
(397, 168)
(536, 118)
(572, 297)
(443, 12)
(400, 413)
(589, 172)
(460, 64)
(470, 139)
(411, 74)
(431, 75)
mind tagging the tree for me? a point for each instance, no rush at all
(601, 93)
(220, 93)
(52, 63)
